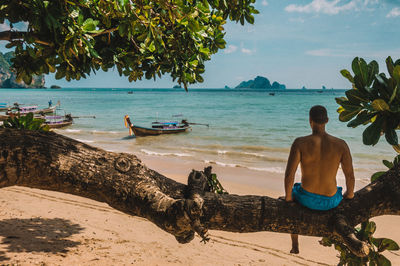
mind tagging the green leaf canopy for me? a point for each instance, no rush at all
(139, 37)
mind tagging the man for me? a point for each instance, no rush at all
(320, 155)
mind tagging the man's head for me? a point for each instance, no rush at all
(318, 115)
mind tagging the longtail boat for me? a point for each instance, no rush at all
(58, 121)
(158, 128)
(33, 109)
(4, 107)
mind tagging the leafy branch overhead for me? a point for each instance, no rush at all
(374, 100)
(140, 37)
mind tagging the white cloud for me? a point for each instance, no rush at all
(395, 12)
(230, 49)
(326, 52)
(247, 51)
(321, 6)
(4, 27)
(264, 2)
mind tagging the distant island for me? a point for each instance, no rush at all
(177, 87)
(7, 76)
(55, 87)
(261, 83)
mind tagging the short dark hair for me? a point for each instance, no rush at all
(318, 114)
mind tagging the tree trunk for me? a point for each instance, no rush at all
(50, 161)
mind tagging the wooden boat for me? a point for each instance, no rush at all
(4, 107)
(58, 121)
(3, 117)
(158, 128)
(32, 109)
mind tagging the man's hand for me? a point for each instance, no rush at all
(348, 195)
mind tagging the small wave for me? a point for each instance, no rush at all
(85, 140)
(278, 170)
(165, 153)
(268, 169)
(239, 154)
(222, 164)
(73, 130)
(267, 158)
(104, 132)
(241, 147)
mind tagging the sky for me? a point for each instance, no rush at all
(297, 43)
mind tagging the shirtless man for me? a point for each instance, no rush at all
(319, 155)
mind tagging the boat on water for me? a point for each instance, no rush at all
(3, 107)
(58, 121)
(23, 110)
(157, 128)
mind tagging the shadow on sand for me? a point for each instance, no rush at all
(37, 235)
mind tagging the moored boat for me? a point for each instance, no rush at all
(58, 121)
(158, 128)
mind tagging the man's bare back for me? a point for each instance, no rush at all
(319, 155)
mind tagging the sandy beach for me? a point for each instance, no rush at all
(50, 228)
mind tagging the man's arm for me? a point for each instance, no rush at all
(291, 167)
(347, 167)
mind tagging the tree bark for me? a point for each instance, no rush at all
(50, 161)
(10, 36)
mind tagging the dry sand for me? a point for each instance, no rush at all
(50, 228)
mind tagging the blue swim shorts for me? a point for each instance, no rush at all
(315, 201)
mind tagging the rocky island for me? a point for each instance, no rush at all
(7, 76)
(261, 83)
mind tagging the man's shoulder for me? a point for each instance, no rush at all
(337, 140)
(299, 141)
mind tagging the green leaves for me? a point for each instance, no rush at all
(345, 73)
(380, 105)
(391, 136)
(374, 99)
(25, 122)
(377, 246)
(385, 244)
(214, 185)
(372, 133)
(396, 74)
(77, 38)
(362, 118)
(389, 165)
(376, 175)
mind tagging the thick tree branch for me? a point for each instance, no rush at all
(19, 35)
(54, 162)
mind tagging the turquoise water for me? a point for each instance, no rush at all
(248, 128)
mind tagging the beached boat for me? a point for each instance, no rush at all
(3, 117)
(157, 128)
(4, 107)
(58, 121)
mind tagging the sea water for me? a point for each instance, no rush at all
(247, 128)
